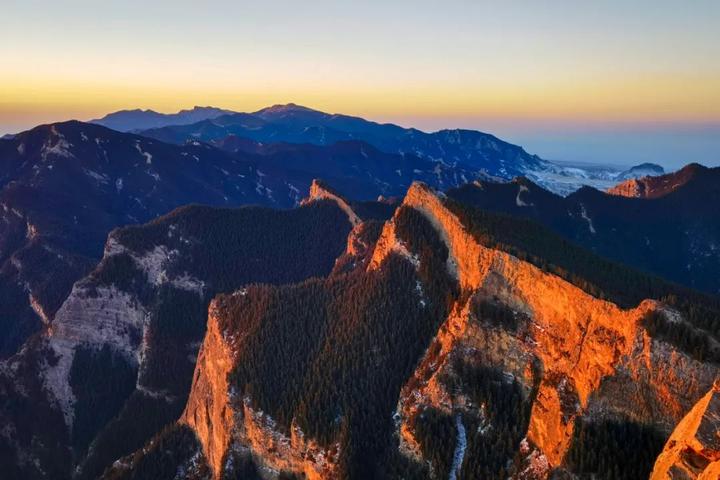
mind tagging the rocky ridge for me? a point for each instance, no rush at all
(657, 186)
(124, 343)
(226, 424)
(582, 344)
(693, 449)
(576, 358)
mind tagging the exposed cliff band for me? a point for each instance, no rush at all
(579, 340)
(577, 357)
(693, 450)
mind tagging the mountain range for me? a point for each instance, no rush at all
(295, 294)
(471, 149)
(434, 332)
(626, 228)
(65, 186)
(130, 120)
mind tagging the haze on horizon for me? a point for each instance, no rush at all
(607, 82)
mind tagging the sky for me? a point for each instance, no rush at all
(618, 82)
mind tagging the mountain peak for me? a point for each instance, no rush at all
(320, 191)
(207, 109)
(658, 186)
(285, 108)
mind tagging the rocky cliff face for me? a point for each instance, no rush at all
(573, 356)
(318, 191)
(693, 450)
(227, 425)
(97, 314)
(585, 357)
(120, 352)
(632, 188)
(660, 185)
(208, 411)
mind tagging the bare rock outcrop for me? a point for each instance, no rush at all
(584, 356)
(631, 188)
(656, 186)
(574, 356)
(693, 450)
(318, 191)
(225, 423)
(208, 411)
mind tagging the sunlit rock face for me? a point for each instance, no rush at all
(629, 188)
(693, 450)
(570, 355)
(318, 191)
(583, 356)
(226, 424)
(208, 411)
(129, 333)
(655, 186)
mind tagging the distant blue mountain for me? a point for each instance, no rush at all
(296, 124)
(642, 170)
(482, 154)
(129, 120)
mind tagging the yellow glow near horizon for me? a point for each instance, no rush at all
(643, 99)
(647, 62)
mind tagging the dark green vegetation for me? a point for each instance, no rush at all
(687, 338)
(334, 354)
(32, 421)
(494, 424)
(122, 272)
(614, 450)
(223, 248)
(173, 453)
(437, 434)
(602, 278)
(101, 382)
(494, 435)
(674, 235)
(230, 247)
(496, 313)
(175, 321)
(140, 419)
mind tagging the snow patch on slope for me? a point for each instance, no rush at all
(148, 157)
(519, 201)
(56, 145)
(584, 215)
(460, 446)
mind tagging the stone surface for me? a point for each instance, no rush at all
(693, 450)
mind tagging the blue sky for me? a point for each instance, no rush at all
(611, 81)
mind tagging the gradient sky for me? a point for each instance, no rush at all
(610, 81)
